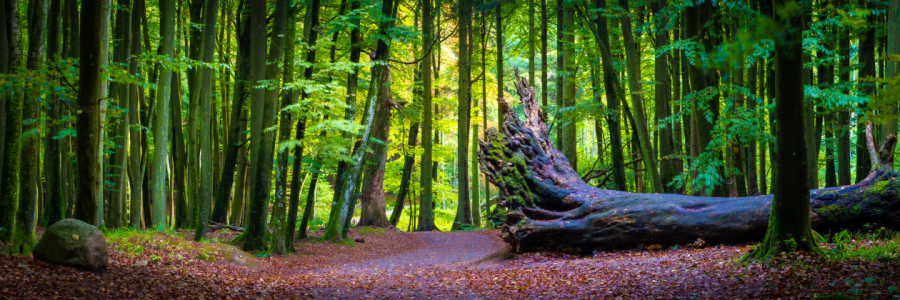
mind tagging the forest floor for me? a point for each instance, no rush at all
(450, 265)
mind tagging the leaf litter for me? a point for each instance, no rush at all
(439, 265)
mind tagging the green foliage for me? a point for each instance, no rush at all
(878, 244)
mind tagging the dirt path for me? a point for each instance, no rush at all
(435, 249)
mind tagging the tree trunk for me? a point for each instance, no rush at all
(549, 207)
(254, 236)
(634, 77)
(55, 209)
(567, 124)
(601, 36)
(867, 59)
(843, 120)
(893, 67)
(372, 194)
(136, 176)
(290, 96)
(499, 18)
(426, 215)
(87, 123)
(544, 57)
(408, 159)
(179, 154)
(663, 95)
(208, 47)
(9, 181)
(104, 95)
(29, 164)
(235, 145)
(463, 202)
(276, 52)
(379, 91)
(119, 160)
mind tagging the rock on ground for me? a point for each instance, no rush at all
(71, 242)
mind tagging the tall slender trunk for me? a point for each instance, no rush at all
(179, 154)
(235, 145)
(279, 211)
(867, 59)
(560, 75)
(893, 67)
(663, 95)
(134, 121)
(208, 47)
(677, 128)
(463, 204)
(254, 236)
(9, 181)
(29, 164)
(104, 94)
(568, 124)
(499, 18)
(601, 35)
(750, 158)
(409, 160)
(426, 215)
(843, 116)
(810, 111)
(87, 123)
(290, 97)
(544, 70)
(55, 209)
(701, 127)
(121, 52)
(633, 64)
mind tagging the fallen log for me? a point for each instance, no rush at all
(549, 207)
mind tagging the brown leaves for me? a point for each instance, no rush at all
(443, 265)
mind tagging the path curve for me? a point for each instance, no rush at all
(437, 249)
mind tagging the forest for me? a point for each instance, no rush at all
(488, 148)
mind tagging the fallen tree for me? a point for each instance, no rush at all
(549, 207)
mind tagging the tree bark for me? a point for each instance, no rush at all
(463, 201)
(290, 96)
(601, 36)
(55, 209)
(134, 120)
(273, 73)
(544, 57)
(254, 236)
(378, 96)
(119, 160)
(208, 47)
(549, 207)
(9, 181)
(663, 95)
(843, 116)
(867, 59)
(426, 215)
(633, 63)
(789, 226)
(29, 164)
(893, 68)
(568, 125)
(87, 122)
(235, 141)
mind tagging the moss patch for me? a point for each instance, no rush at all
(832, 211)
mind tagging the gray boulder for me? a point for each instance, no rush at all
(71, 242)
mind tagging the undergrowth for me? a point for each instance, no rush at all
(880, 244)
